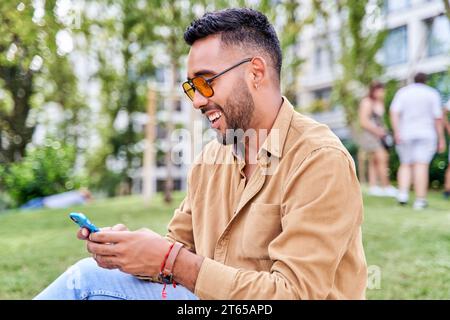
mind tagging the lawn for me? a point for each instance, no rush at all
(409, 250)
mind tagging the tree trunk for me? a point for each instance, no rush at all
(169, 183)
(149, 152)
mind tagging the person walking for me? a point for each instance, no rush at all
(416, 117)
(371, 112)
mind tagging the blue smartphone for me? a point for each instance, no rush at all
(81, 220)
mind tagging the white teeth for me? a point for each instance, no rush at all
(214, 116)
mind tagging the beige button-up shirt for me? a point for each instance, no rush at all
(292, 231)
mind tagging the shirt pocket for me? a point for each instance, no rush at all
(262, 225)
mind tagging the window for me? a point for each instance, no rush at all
(322, 57)
(160, 75)
(438, 35)
(322, 94)
(160, 159)
(395, 5)
(318, 58)
(161, 132)
(321, 100)
(178, 106)
(161, 184)
(396, 46)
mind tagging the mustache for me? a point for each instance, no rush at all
(212, 107)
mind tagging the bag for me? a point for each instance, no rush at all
(387, 141)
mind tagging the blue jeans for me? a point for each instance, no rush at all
(35, 203)
(87, 281)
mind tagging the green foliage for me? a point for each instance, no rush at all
(440, 81)
(44, 171)
(33, 71)
(359, 47)
(318, 105)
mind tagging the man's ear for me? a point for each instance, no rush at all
(258, 72)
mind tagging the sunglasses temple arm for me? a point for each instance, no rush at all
(226, 70)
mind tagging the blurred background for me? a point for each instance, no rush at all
(90, 96)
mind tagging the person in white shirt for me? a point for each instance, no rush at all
(447, 172)
(416, 117)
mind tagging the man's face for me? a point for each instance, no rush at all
(231, 107)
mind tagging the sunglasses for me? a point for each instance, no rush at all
(204, 85)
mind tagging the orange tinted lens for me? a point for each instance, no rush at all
(189, 90)
(203, 87)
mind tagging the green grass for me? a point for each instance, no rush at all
(36, 247)
(410, 249)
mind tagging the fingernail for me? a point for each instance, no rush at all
(84, 233)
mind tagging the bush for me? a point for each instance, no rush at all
(44, 171)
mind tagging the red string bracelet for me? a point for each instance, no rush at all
(164, 293)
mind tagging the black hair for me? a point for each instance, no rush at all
(238, 26)
(420, 77)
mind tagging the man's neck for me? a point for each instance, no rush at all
(264, 120)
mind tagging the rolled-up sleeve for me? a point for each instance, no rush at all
(321, 215)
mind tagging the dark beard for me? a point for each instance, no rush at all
(240, 108)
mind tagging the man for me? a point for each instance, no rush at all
(447, 171)
(274, 218)
(416, 117)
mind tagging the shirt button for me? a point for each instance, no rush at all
(265, 164)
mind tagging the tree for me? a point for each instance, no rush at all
(359, 46)
(447, 8)
(34, 70)
(285, 15)
(121, 44)
(173, 17)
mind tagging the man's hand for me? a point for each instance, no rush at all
(83, 233)
(138, 252)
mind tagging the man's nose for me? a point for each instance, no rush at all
(199, 100)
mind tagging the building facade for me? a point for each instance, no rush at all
(418, 40)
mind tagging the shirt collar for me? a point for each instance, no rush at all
(274, 142)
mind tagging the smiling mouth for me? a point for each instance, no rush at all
(214, 117)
